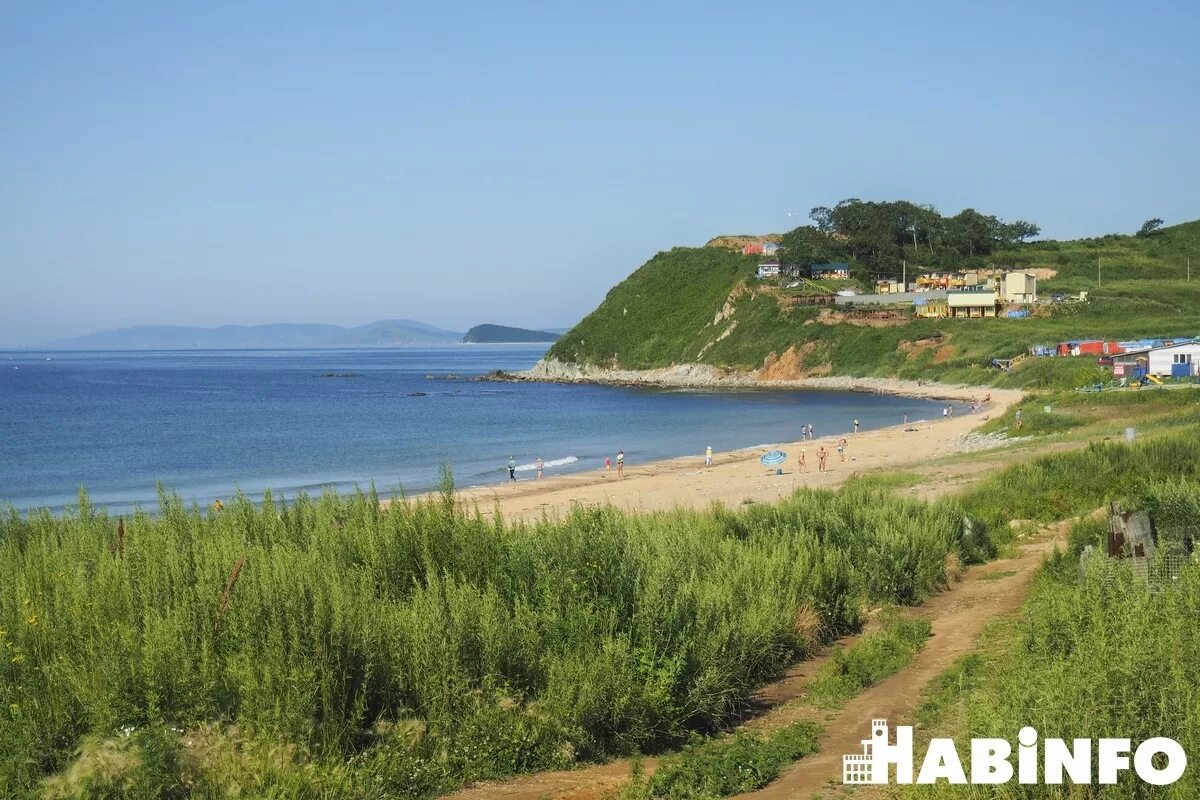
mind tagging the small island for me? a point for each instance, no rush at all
(502, 334)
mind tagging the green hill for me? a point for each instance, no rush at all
(497, 334)
(704, 305)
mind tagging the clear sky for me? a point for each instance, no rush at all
(212, 163)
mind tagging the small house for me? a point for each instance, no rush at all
(972, 303)
(834, 270)
(770, 249)
(931, 307)
(1180, 360)
(1019, 287)
(770, 270)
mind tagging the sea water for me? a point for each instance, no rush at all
(207, 423)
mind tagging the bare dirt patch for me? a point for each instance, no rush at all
(794, 364)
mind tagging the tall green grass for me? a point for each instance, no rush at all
(1061, 485)
(400, 652)
(719, 768)
(1091, 658)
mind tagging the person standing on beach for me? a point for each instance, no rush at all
(856, 424)
(620, 463)
(950, 408)
(906, 418)
(540, 466)
(822, 454)
(945, 411)
(804, 433)
(803, 465)
(841, 448)
(811, 435)
(512, 468)
(607, 463)
(708, 456)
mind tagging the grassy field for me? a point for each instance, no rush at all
(1093, 653)
(685, 305)
(1090, 657)
(331, 647)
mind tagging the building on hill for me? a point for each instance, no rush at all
(931, 305)
(768, 270)
(1019, 287)
(836, 270)
(1181, 360)
(770, 248)
(752, 249)
(973, 303)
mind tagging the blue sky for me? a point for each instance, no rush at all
(459, 163)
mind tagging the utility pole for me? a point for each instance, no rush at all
(904, 275)
(1189, 269)
(1098, 270)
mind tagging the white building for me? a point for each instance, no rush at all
(1018, 287)
(1179, 360)
(768, 270)
(871, 765)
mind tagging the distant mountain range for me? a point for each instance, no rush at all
(482, 334)
(385, 333)
(234, 337)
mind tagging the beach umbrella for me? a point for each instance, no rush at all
(774, 457)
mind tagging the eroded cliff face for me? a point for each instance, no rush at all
(784, 372)
(795, 363)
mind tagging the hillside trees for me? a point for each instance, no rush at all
(878, 236)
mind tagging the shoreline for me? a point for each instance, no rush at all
(706, 376)
(736, 477)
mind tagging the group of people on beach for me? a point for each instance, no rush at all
(539, 466)
(806, 434)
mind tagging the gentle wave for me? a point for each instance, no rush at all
(558, 462)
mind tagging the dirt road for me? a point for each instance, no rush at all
(958, 616)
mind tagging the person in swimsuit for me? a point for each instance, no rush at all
(708, 456)
(801, 462)
(841, 448)
(822, 454)
(607, 463)
(540, 466)
(620, 463)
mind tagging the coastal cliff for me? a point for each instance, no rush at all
(706, 376)
(697, 315)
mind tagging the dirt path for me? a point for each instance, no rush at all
(958, 616)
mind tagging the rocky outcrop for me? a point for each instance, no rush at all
(706, 376)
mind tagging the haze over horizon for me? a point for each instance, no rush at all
(475, 163)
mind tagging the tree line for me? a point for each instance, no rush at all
(876, 237)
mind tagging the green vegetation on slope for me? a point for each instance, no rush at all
(1088, 657)
(704, 305)
(333, 648)
(872, 658)
(718, 768)
(487, 333)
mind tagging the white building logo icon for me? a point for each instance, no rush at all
(1157, 761)
(871, 765)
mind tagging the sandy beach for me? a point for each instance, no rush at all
(736, 477)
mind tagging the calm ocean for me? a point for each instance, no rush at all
(205, 423)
